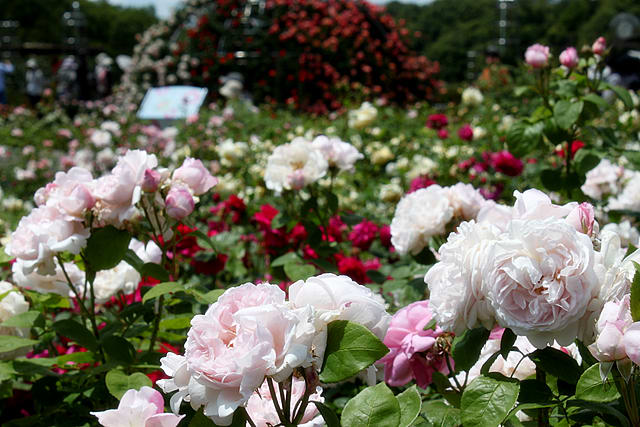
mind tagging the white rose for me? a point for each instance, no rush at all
(100, 138)
(363, 116)
(541, 279)
(603, 180)
(465, 200)
(294, 165)
(12, 304)
(472, 96)
(629, 198)
(456, 286)
(419, 216)
(338, 153)
(628, 234)
(55, 283)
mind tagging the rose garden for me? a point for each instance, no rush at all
(336, 237)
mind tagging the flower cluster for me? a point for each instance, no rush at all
(532, 268)
(426, 212)
(252, 332)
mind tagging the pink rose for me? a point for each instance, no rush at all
(151, 181)
(506, 163)
(465, 133)
(599, 46)
(569, 57)
(193, 174)
(179, 203)
(41, 235)
(537, 55)
(70, 193)
(582, 218)
(144, 408)
(614, 319)
(631, 342)
(414, 354)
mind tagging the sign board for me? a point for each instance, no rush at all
(171, 102)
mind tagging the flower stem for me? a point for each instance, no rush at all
(274, 399)
(543, 413)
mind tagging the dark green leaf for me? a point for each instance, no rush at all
(586, 160)
(507, 342)
(154, 270)
(623, 94)
(487, 401)
(201, 420)
(597, 100)
(330, 417)
(118, 349)
(106, 247)
(552, 179)
(376, 276)
(373, 406)
(118, 382)
(208, 298)
(466, 349)
(557, 363)
(350, 348)
(534, 391)
(73, 330)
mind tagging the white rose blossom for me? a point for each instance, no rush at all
(294, 165)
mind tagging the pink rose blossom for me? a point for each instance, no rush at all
(144, 408)
(193, 174)
(179, 203)
(70, 193)
(614, 319)
(631, 342)
(414, 353)
(151, 181)
(582, 218)
(569, 57)
(537, 56)
(363, 234)
(599, 46)
(465, 133)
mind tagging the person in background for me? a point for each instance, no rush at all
(5, 68)
(35, 82)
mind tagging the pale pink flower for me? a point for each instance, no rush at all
(338, 153)
(569, 57)
(465, 200)
(599, 46)
(179, 203)
(144, 408)
(413, 350)
(41, 235)
(537, 55)
(582, 218)
(614, 319)
(631, 342)
(151, 180)
(193, 174)
(70, 193)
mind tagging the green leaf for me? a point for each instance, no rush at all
(22, 320)
(106, 247)
(73, 330)
(591, 387)
(596, 100)
(181, 322)
(118, 382)
(466, 349)
(201, 420)
(635, 294)
(10, 343)
(207, 298)
(534, 391)
(119, 350)
(285, 259)
(507, 342)
(297, 271)
(350, 348)
(557, 363)
(376, 276)
(373, 406)
(623, 94)
(487, 401)
(330, 417)
(441, 414)
(552, 179)
(566, 113)
(162, 289)
(410, 402)
(151, 269)
(586, 160)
